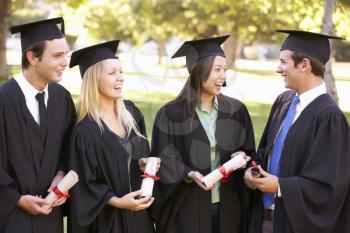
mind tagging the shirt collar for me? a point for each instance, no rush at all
(308, 96)
(27, 88)
(215, 106)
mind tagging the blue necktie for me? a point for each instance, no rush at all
(269, 198)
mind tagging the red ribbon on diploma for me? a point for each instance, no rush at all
(146, 175)
(224, 174)
(59, 194)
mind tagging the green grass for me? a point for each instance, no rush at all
(272, 74)
(149, 104)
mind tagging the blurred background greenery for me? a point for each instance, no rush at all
(151, 30)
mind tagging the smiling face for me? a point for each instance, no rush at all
(49, 68)
(293, 75)
(110, 83)
(212, 86)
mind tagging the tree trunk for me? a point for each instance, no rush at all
(161, 50)
(232, 48)
(327, 28)
(4, 25)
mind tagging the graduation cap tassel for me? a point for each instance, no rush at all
(62, 28)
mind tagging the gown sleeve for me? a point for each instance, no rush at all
(249, 143)
(8, 194)
(89, 195)
(173, 170)
(71, 119)
(314, 199)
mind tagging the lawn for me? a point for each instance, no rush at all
(149, 104)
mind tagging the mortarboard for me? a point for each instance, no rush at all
(313, 44)
(196, 49)
(91, 55)
(39, 31)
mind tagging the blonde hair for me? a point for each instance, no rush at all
(89, 102)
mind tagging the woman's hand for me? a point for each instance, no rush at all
(143, 162)
(246, 157)
(130, 201)
(198, 178)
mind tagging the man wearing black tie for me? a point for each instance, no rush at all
(305, 148)
(36, 118)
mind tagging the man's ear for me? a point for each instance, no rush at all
(305, 65)
(31, 58)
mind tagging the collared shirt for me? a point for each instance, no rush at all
(29, 93)
(305, 99)
(208, 121)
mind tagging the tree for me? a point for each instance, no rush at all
(18, 12)
(328, 28)
(246, 21)
(5, 10)
(157, 21)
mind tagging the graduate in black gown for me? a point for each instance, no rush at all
(107, 149)
(36, 119)
(193, 135)
(306, 189)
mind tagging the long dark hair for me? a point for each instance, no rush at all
(191, 92)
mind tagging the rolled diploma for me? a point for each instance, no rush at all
(148, 183)
(68, 181)
(236, 162)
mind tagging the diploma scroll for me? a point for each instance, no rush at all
(225, 170)
(255, 170)
(68, 181)
(149, 177)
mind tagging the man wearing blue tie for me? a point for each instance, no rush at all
(305, 148)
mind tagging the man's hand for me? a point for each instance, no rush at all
(32, 205)
(267, 184)
(248, 178)
(59, 176)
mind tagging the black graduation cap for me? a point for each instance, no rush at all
(196, 49)
(313, 44)
(89, 56)
(39, 31)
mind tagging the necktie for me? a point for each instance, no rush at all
(42, 110)
(269, 198)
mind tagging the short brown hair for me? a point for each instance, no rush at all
(38, 50)
(317, 68)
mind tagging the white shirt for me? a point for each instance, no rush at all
(29, 93)
(307, 97)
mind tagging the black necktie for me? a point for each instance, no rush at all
(42, 110)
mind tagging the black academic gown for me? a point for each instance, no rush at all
(28, 160)
(314, 169)
(102, 165)
(182, 145)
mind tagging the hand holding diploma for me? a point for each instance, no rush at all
(149, 177)
(33, 205)
(238, 160)
(198, 178)
(60, 191)
(131, 201)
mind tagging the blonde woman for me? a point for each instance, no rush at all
(106, 149)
